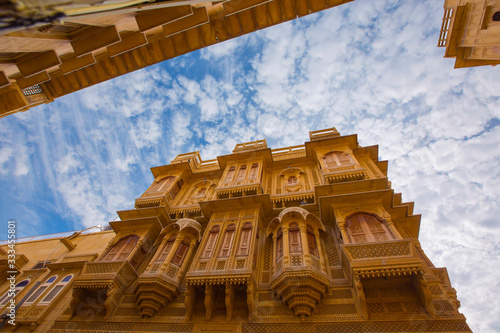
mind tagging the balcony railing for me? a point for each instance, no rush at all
(99, 274)
(288, 152)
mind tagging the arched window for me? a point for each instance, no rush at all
(241, 173)
(246, 233)
(181, 252)
(279, 244)
(364, 228)
(253, 171)
(41, 290)
(122, 249)
(230, 174)
(337, 158)
(294, 239)
(311, 242)
(8, 295)
(57, 289)
(292, 180)
(496, 17)
(162, 184)
(212, 239)
(227, 241)
(166, 249)
(201, 192)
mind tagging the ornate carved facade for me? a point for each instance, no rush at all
(470, 32)
(308, 238)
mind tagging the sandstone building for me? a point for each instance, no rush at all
(470, 32)
(309, 238)
(73, 44)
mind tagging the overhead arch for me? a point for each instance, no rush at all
(298, 213)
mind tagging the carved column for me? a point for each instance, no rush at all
(358, 288)
(229, 301)
(286, 248)
(250, 300)
(273, 256)
(322, 259)
(305, 245)
(189, 302)
(173, 249)
(139, 244)
(341, 225)
(185, 264)
(393, 229)
(158, 253)
(209, 301)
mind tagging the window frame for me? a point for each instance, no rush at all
(62, 283)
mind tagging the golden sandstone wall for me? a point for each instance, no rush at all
(309, 238)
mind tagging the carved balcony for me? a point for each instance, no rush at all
(102, 280)
(344, 173)
(389, 258)
(237, 188)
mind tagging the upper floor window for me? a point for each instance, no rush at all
(57, 289)
(176, 188)
(166, 249)
(212, 238)
(294, 234)
(201, 192)
(292, 180)
(227, 241)
(496, 17)
(8, 295)
(336, 159)
(364, 228)
(244, 246)
(181, 252)
(279, 244)
(241, 173)
(311, 242)
(253, 171)
(230, 174)
(41, 290)
(122, 249)
(162, 184)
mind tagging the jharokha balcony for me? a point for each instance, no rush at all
(389, 258)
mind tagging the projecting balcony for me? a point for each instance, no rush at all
(344, 173)
(101, 274)
(238, 188)
(389, 258)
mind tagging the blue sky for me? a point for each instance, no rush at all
(368, 67)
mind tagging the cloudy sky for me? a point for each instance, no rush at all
(368, 67)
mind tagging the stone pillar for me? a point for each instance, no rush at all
(187, 258)
(273, 256)
(322, 259)
(209, 301)
(139, 244)
(305, 245)
(286, 248)
(173, 249)
(341, 225)
(229, 301)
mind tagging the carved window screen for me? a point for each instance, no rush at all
(40, 290)
(137, 259)
(162, 184)
(253, 171)
(166, 249)
(57, 289)
(20, 286)
(181, 252)
(292, 180)
(294, 238)
(365, 228)
(201, 192)
(230, 174)
(311, 242)
(122, 249)
(241, 173)
(176, 188)
(212, 239)
(245, 238)
(337, 158)
(227, 241)
(279, 244)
